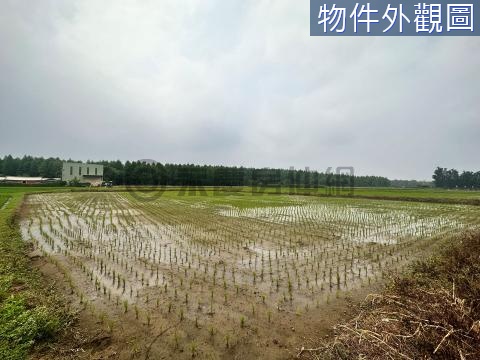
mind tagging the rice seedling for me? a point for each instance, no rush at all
(230, 255)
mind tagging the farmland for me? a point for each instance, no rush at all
(28, 312)
(219, 274)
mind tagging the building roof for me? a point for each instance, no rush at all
(25, 178)
(72, 163)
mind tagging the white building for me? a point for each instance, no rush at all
(83, 173)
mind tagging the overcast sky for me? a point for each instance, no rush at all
(237, 82)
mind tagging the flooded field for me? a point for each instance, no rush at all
(231, 275)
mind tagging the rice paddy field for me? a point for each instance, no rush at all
(223, 275)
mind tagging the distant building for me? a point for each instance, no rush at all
(27, 180)
(83, 173)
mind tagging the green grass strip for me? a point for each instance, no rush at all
(28, 314)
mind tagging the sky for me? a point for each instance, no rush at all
(237, 82)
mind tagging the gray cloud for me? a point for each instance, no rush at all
(237, 82)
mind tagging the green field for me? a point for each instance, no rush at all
(418, 193)
(381, 193)
(393, 193)
(4, 198)
(221, 261)
(227, 261)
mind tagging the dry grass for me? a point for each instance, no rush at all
(432, 313)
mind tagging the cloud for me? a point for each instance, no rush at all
(237, 82)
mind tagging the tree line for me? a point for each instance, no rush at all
(452, 178)
(143, 173)
(31, 166)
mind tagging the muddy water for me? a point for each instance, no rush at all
(206, 259)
